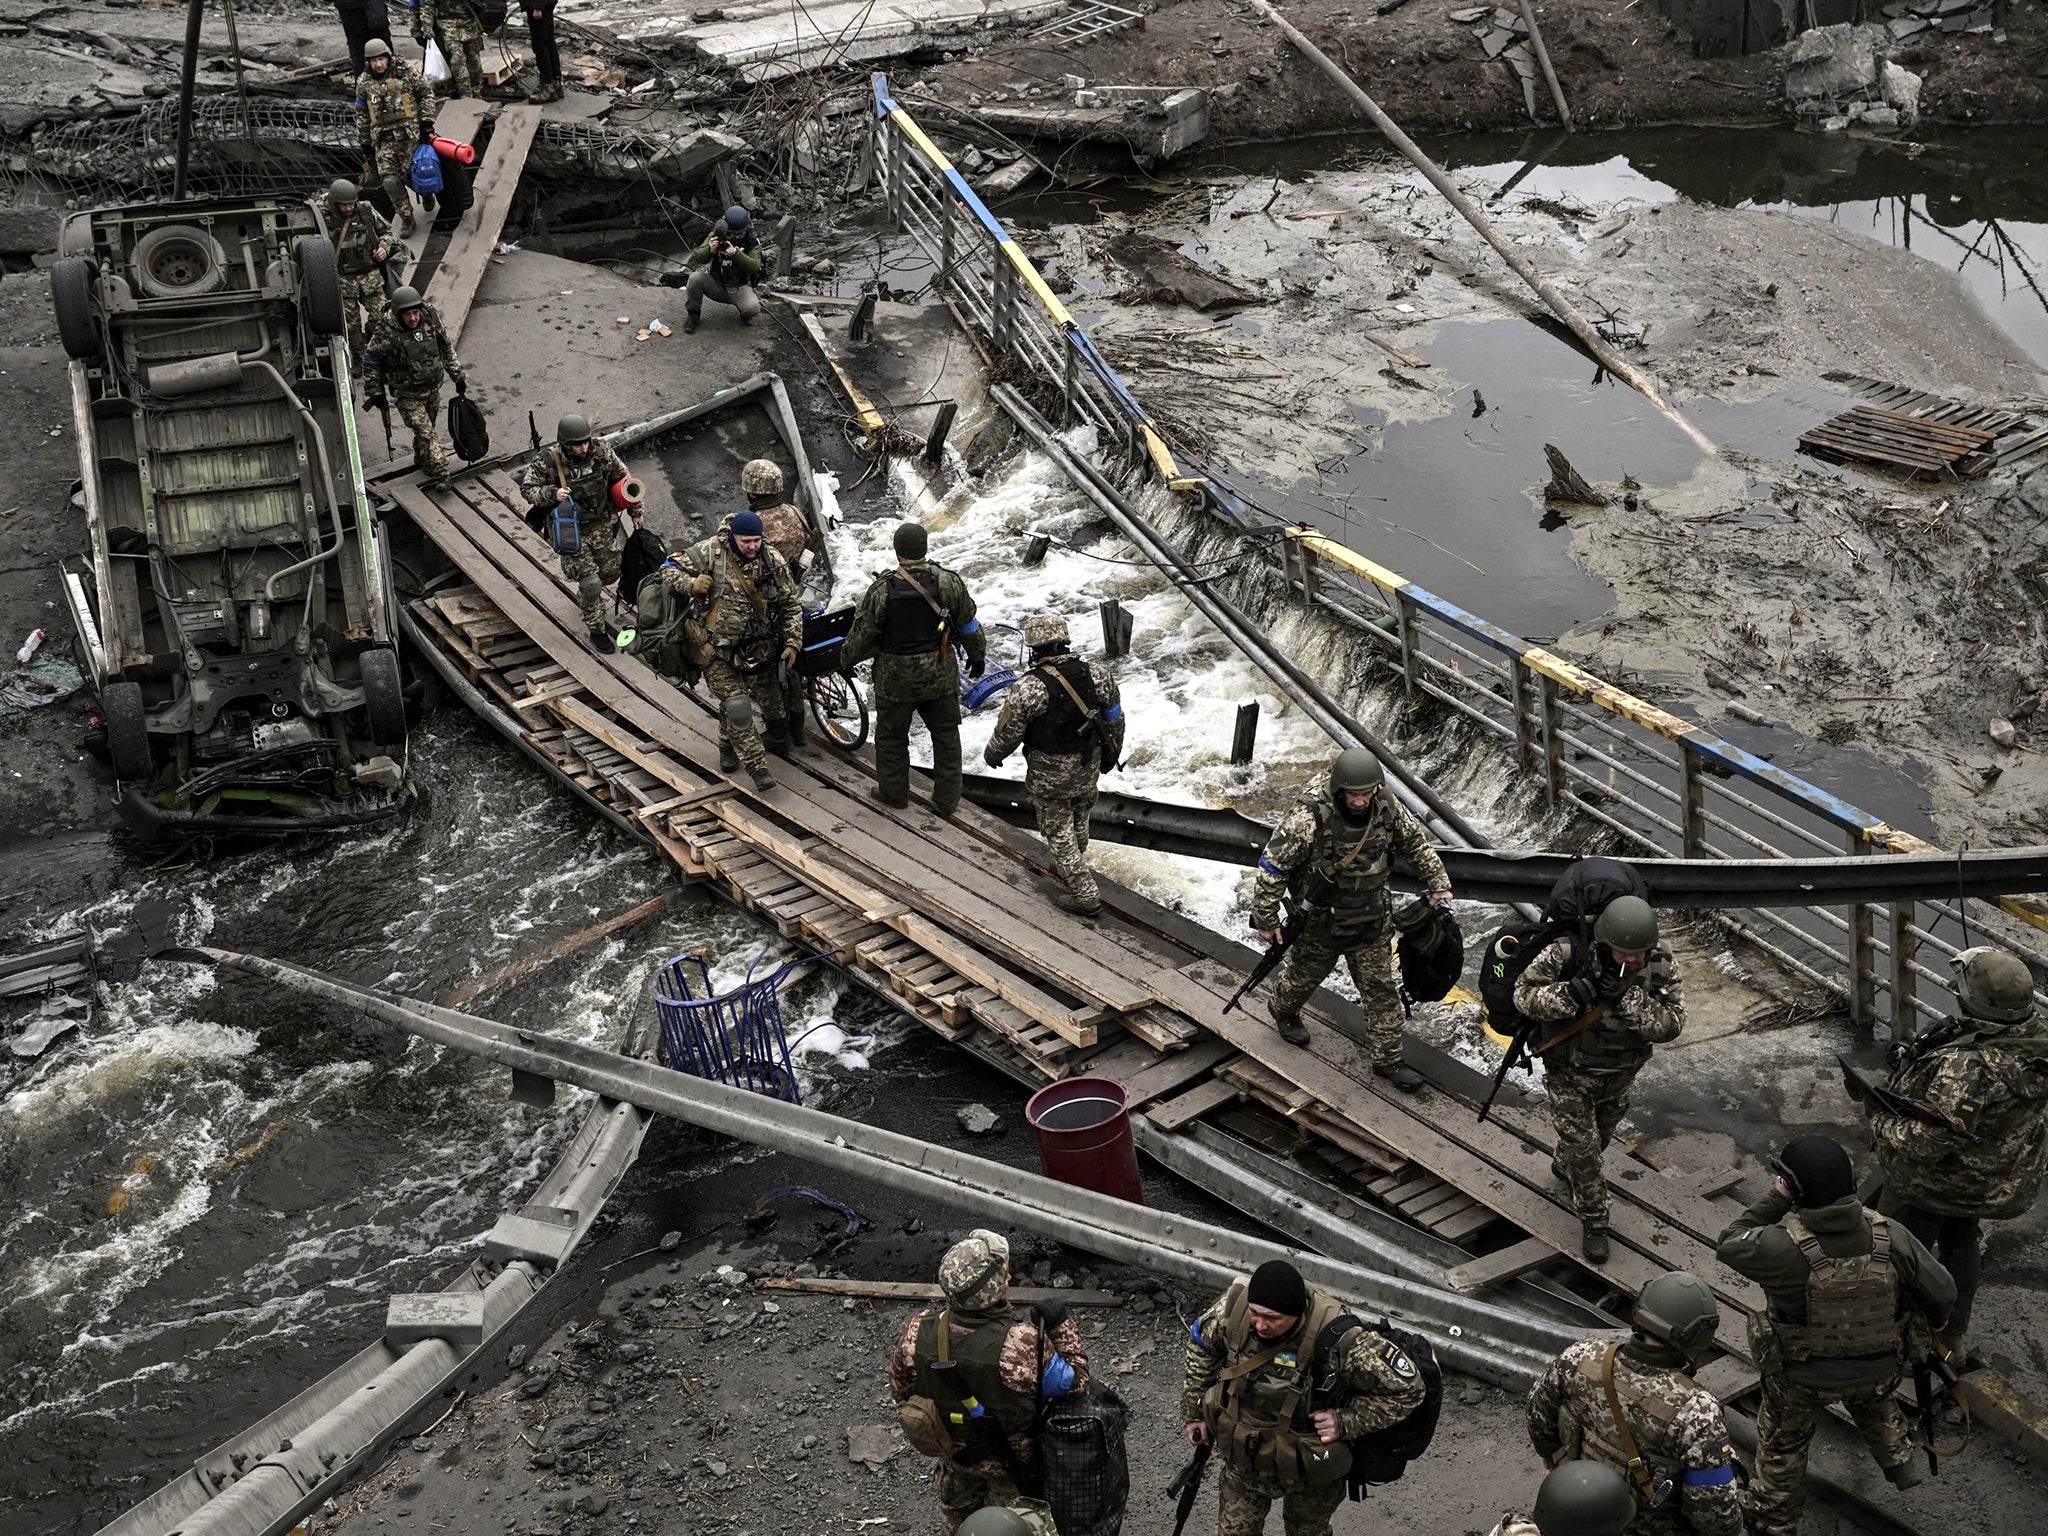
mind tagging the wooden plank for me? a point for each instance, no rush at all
(1167, 1075)
(1727, 1377)
(1491, 1269)
(453, 288)
(910, 1290)
(1192, 1105)
(1459, 1228)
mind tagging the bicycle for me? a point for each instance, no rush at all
(836, 700)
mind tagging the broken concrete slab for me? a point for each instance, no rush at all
(1835, 61)
(536, 1234)
(1168, 276)
(1901, 92)
(26, 230)
(1156, 122)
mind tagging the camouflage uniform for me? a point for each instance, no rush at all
(1377, 1386)
(1856, 1365)
(1982, 1147)
(1314, 838)
(787, 531)
(1062, 784)
(357, 239)
(393, 114)
(589, 481)
(751, 602)
(1588, 1078)
(407, 365)
(1676, 1424)
(461, 35)
(916, 674)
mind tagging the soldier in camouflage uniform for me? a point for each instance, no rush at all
(458, 28)
(1670, 1426)
(909, 620)
(1331, 857)
(1578, 1498)
(1844, 1287)
(1973, 1144)
(362, 244)
(405, 359)
(1070, 719)
(570, 486)
(747, 608)
(790, 535)
(1027, 1517)
(1605, 1005)
(976, 1412)
(1255, 1389)
(394, 116)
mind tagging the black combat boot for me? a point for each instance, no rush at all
(601, 642)
(691, 320)
(728, 760)
(1594, 1245)
(1291, 1028)
(778, 737)
(763, 779)
(1400, 1074)
(1067, 901)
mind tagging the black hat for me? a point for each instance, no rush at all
(1278, 1287)
(1818, 1170)
(911, 541)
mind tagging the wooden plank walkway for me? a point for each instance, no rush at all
(452, 289)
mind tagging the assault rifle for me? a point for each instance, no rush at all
(1520, 1048)
(1270, 960)
(1187, 1486)
(1932, 1364)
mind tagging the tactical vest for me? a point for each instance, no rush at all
(1605, 1045)
(915, 623)
(390, 101)
(1260, 1408)
(1062, 730)
(1852, 1303)
(584, 482)
(1592, 1435)
(356, 239)
(1345, 877)
(969, 1385)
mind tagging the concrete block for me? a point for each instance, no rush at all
(535, 1238)
(454, 1316)
(1835, 61)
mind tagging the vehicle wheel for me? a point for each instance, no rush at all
(840, 709)
(383, 697)
(71, 289)
(178, 261)
(127, 733)
(320, 287)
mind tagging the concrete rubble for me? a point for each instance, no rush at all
(1156, 122)
(1841, 75)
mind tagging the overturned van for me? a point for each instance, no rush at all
(236, 615)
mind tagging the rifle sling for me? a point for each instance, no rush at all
(1638, 1472)
(945, 618)
(1576, 1028)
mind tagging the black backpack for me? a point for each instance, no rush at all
(1383, 1455)
(1432, 957)
(466, 429)
(640, 559)
(1084, 1474)
(1581, 894)
(490, 15)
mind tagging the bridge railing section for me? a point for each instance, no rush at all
(1654, 783)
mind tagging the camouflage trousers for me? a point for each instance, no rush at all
(362, 297)
(1784, 1434)
(462, 45)
(941, 717)
(1313, 956)
(1242, 1508)
(422, 413)
(593, 567)
(391, 158)
(725, 681)
(1958, 1241)
(961, 1493)
(1585, 1107)
(1063, 823)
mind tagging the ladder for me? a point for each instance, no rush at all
(1085, 19)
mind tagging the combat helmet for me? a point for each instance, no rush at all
(1992, 984)
(376, 48)
(407, 297)
(995, 1520)
(1356, 768)
(1045, 630)
(1678, 1309)
(572, 428)
(761, 477)
(1583, 1498)
(1626, 925)
(737, 220)
(343, 191)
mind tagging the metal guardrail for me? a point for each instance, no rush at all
(1652, 784)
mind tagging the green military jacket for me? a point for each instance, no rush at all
(1650, 1012)
(589, 481)
(410, 360)
(928, 675)
(394, 105)
(1057, 774)
(357, 237)
(750, 600)
(1981, 1146)
(1315, 836)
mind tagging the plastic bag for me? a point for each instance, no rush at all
(436, 68)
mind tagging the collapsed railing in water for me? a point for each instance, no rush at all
(1655, 785)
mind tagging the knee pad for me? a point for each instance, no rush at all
(738, 712)
(589, 591)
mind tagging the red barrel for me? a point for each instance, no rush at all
(1083, 1127)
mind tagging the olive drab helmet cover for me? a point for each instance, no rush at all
(572, 429)
(761, 477)
(407, 297)
(1356, 768)
(995, 1520)
(376, 48)
(1992, 984)
(344, 192)
(1583, 1498)
(1626, 925)
(1678, 1309)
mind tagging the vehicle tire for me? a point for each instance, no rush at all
(383, 697)
(840, 709)
(178, 261)
(320, 287)
(71, 290)
(127, 733)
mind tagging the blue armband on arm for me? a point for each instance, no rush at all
(1710, 1477)
(1114, 712)
(1268, 867)
(1058, 1377)
(972, 626)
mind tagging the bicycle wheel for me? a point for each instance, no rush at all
(840, 709)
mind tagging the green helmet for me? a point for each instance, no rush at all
(376, 48)
(1991, 984)
(407, 297)
(1680, 1310)
(994, 1520)
(344, 191)
(572, 429)
(1584, 1498)
(1356, 768)
(1627, 925)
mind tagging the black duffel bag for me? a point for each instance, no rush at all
(1084, 1474)
(466, 429)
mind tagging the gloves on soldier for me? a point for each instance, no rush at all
(1582, 990)
(976, 667)
(1051, 1314)
(461, 385)
(1610, 985)
(701, 586)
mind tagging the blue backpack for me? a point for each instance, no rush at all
(426, 171)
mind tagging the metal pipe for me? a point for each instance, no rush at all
(1564, 113)
(1558, 304)
(326, 486)
(188, 79)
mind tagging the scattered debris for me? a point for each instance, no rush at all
(1166, 275)
(2003, 732)
(1567, 485)
(1840, 74)
(979, 1120)
(874, 1445)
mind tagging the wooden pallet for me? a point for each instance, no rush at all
(1919, 443)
